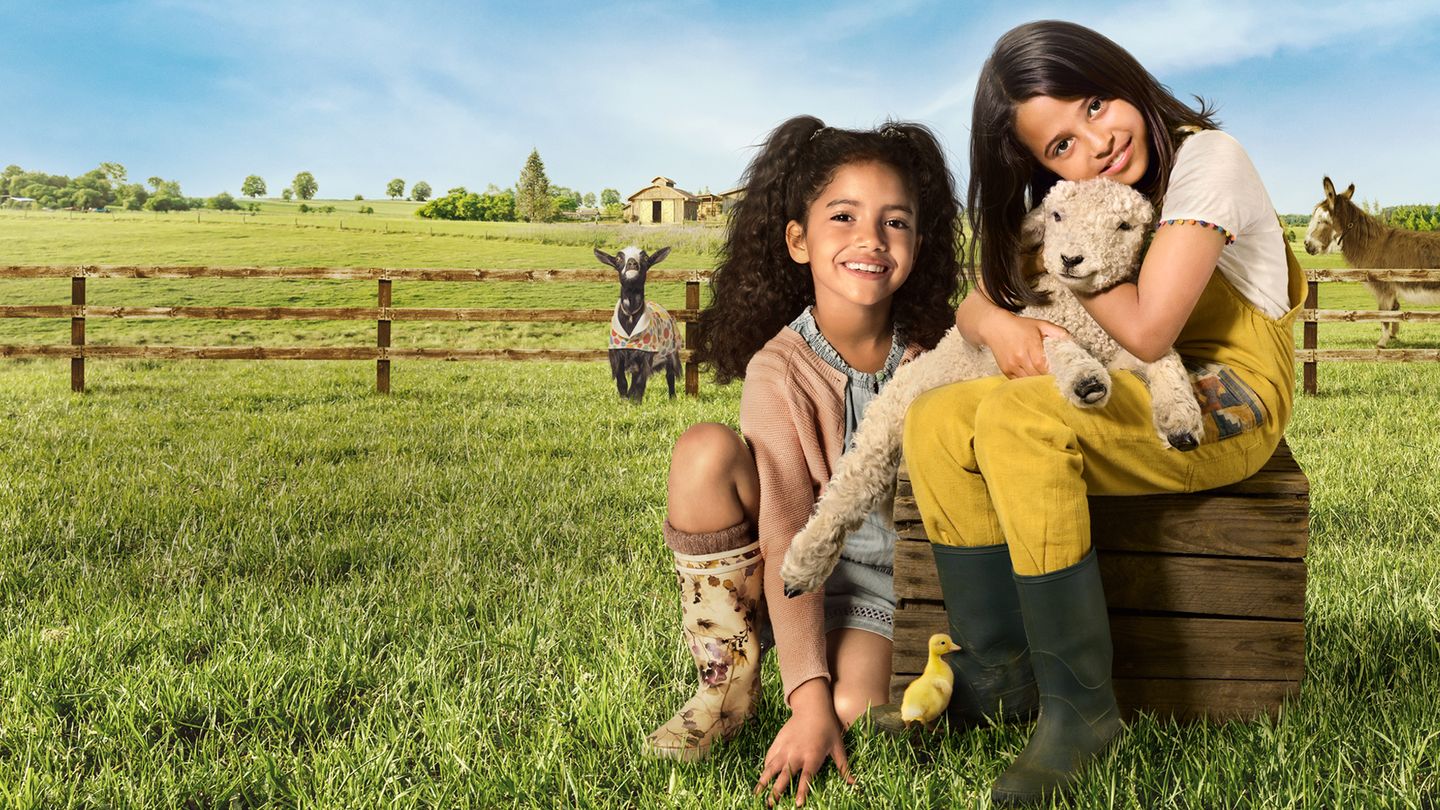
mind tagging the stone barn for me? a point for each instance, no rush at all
(662, 203)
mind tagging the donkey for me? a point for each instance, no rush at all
(643, 335)
(1369, 244)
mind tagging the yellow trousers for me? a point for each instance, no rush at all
(996, 460)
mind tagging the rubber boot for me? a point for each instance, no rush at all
(720, 581)
(993, 678)
(1069, 631)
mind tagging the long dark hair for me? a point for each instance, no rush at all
(757, 288)
(1065, 61)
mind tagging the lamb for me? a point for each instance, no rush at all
(1089, 235)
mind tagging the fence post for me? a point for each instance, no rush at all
(1311, 333)
(692, 337)
(77, 334)
(382, 339)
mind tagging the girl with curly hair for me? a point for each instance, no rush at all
(839, 264)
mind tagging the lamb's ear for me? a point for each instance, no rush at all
(659, 256)
(613, 261)
(1329, 190)
(1032, 229)
(1349, 192)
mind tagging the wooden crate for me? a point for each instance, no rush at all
(1206, 593)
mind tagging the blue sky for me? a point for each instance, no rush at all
(613, 94)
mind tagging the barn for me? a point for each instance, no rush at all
(662, 203)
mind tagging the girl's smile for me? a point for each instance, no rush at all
(859, 237)
(1078, 139)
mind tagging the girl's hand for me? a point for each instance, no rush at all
(811, 735)
(1018, 343)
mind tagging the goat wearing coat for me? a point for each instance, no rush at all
(643, 335)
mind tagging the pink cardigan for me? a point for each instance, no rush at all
(792, 413)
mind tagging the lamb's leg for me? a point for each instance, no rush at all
(1082, 379)
(865, 474)
(1173, 407)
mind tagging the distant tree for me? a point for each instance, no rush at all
(254, 186)
(223, 202)
(305, 186)
(498, 206)
(287, 194)
(589, 199)
(155, 182)
(609, 196)
(114, 172)
(395, 189)
(613, 210)
(132, 196)
(420, 192)
(87, 198)
(564, 199)
(532, 193)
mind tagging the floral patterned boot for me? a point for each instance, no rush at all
(719, 575)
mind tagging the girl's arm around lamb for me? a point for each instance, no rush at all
(1146, 317)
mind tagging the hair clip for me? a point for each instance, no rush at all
(891, 130)
(817, 133)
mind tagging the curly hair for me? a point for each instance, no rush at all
(1060, 60)
(757, 289)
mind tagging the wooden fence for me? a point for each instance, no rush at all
(1311, 315)
(382, 313)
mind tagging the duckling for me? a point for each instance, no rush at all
(926, 697)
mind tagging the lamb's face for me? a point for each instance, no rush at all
(1094, 231)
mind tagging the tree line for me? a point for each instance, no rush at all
(101, 187)
(531, 199)
(1411, 217)
(108, 185)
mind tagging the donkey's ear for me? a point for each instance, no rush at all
(1329, 189)
(659, 256)
(1349, 192)
(1032, 229)
(607, 258)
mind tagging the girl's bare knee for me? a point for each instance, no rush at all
(852, 702)
(708, 452)
(712, 479)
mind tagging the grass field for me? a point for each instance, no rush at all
(259, 584)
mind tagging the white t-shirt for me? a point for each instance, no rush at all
(1214, 183)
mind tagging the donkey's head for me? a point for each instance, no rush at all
(1326, 227)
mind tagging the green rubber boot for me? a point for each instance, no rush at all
(993, 678)
(1069, 631)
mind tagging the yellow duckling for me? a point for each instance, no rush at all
(926, 697)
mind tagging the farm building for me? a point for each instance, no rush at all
(661, 202)
(715, 206)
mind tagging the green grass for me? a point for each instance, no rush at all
(240, 583)
(280, 235)
(260, 584)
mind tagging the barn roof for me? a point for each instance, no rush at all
(667, 185)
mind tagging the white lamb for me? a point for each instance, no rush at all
(1090, 234)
